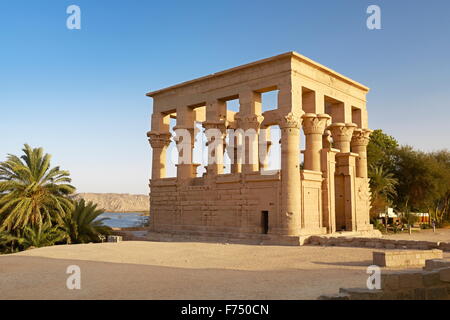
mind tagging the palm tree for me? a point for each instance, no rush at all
(8, 242)
(382, 187)
(32, 193)
(41, 236)
(82, 224)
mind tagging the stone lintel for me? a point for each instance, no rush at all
(311, 175)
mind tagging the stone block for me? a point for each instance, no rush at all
(403, 258)
(389, 295)
(433, 264)
(407, 294)
(361, 293)
(431, 278)
(445, 246)
(420, 294)
(444, 274)
(379, 259)
(390, 281)
(379, 245)
(338, 296)
(411, 279)
(114, 238)
(439, 293)
(370, 244)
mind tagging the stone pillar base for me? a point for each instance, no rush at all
(187, 171)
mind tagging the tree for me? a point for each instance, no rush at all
(32, 193)
(41, 236)
(442, 202)
(381, 151)
(8, 242)
(382, 186)
(82, 224)
(424, 180)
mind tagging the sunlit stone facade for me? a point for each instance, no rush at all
(329, 193)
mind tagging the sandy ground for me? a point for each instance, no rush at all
(185, 270)
(152, 270)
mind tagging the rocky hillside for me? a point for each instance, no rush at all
(116, 202)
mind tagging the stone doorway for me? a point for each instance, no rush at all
(265, 222)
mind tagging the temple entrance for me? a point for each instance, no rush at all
(265, 222)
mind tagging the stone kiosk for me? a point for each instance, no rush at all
(329, 194)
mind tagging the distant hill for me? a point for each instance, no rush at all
(118, 202)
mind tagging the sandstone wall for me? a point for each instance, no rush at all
(224, 207)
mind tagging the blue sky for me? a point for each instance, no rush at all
(80, 94)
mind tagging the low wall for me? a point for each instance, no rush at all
(434, 264)
(405, 258)
(379, 243)
(432, 283)
(222, 237)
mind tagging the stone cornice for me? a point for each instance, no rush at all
(288, 55)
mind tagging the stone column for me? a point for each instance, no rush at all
(359, 143)
(185, 139)
(159, 143)
(250, 125)
(313, 126)
(264, 148)
(328, 189)
(249, 120)
(232, 148)
(215, 133)
(290, 173)
(236, 165)
(328, 167)
(342, 135)
(345, 176)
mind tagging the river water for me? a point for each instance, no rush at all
(124, 220)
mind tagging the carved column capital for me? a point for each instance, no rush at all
(220, 125)
(342, 135)
(361, 137)
(315, 123)
(158, 139)
(342, 132)
(249, 121)
(291, 120)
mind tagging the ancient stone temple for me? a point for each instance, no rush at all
(325, 193)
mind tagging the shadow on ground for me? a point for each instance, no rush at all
(364, 263)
